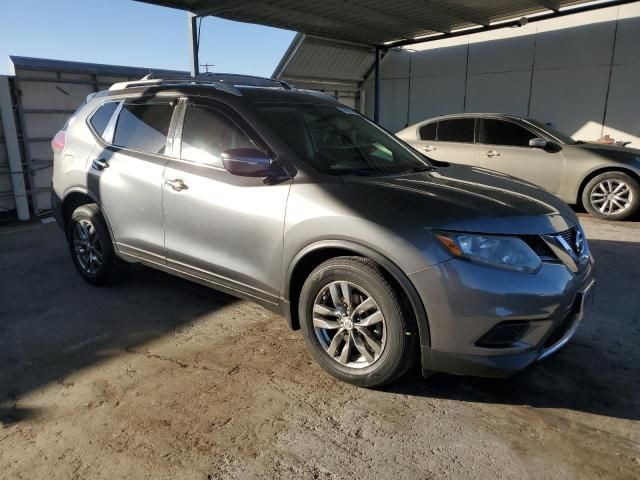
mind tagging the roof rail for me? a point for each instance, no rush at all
(238, 80)
(153, 80)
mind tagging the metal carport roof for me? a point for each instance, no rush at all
(375, 22)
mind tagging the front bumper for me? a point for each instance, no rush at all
(464, 301)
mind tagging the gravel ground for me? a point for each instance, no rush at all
(161, 378)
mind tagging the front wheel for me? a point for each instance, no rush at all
(611, 196)
(354, 323)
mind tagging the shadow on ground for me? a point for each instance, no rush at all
(53, 323)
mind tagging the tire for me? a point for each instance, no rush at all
(595, 196)
(93, 256)
(390, 334)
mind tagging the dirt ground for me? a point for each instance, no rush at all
(161, 378)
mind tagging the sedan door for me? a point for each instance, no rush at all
(449, 140)
(504, 147)
(219, 227)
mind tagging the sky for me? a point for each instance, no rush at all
(126, 32)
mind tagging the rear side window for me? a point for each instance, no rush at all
(207, 133)
(428, 131)
(100, 119)
(456, 130)
(143, 127)
(498, 132)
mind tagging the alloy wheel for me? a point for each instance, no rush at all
(611, 197)
(349, 324)
(87, 247)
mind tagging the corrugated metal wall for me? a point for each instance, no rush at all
(581, 73)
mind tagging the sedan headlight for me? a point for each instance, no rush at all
(498, 251)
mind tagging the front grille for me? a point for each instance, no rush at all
(570, 237)
(540, 247)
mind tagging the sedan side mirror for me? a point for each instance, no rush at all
(247, 162)
(538, 143)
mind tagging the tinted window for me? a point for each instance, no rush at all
(143, 127)
(498, 132)
(100, 119)
(207, 133)
(428, 131)
(458, 130)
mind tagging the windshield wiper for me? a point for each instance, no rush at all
(418, 169)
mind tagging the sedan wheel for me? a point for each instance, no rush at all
(611, 196)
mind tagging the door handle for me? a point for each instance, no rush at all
(99, 164)
(177, 184)
(429, 148)
(492, 153)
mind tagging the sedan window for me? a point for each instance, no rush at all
(499, 132)
(428, 131)
(456, 130)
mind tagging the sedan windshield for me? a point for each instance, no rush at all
(338, 141)
(552, 131)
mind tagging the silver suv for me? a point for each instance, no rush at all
(604, 178)
(289, 199)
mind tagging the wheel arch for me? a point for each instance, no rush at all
(76, 197)
(314, 254)
(599, 171)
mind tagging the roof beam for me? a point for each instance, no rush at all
(549, 4)
(465, 17)
(402, 21)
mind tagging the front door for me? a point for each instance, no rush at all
(504, 147)
(220, 227)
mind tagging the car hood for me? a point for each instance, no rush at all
(470, 199)
(613, 152)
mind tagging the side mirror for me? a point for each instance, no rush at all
(538, 143)
(247, 162)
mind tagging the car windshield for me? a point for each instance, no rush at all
(552, 131)
(339, 141)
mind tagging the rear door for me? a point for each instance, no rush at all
(220, 227)
(449, 140)
(127, 175)
(504, 147)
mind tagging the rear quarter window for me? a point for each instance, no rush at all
(100, 119)
(428, 131)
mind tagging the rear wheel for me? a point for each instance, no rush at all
(91, 247)
(611, 196)
(354, 324)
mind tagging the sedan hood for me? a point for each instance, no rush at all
(470, 199)
(613, 152)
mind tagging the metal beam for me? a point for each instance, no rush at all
(13, 150)
(376, 97)
(515, 23)
(194, 42)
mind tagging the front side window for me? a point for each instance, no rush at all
(336, 140)
(456, 130)
(428, 131)
(143, 127)
(100, 119)
(207, 133)
(499, 132)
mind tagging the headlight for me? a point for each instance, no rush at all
(498, 251)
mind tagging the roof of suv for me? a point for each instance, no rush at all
(252, 89)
